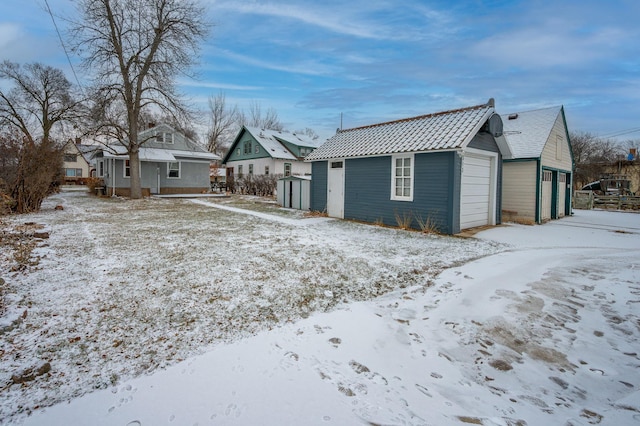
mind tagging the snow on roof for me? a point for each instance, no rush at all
(527, 132)
(157, 154)
(271, 141)
(438, 131)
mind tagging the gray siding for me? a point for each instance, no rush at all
(319, 170)
(368, 191)
(484, 141)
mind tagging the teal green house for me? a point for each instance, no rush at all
(256, 151)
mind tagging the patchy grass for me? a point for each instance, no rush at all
(123, 288)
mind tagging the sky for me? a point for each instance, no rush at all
(332, 64)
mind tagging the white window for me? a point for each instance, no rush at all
(257, 149)
(266, 170)
(100, 168)
(240, 170)
(173, 169)
(250, 169)
(402, 178)
(164, 137)
(73, 172)
(127, 169)
(287, 169)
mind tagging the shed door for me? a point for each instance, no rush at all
(476, 198)
(547, 193)
(562, 193)
(335, 189)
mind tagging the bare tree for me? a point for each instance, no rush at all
(223, 122)
(269, 120)
(134, 50)
(39, 106)
(592, 156)
(307, 131)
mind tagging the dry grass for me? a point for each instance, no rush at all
(404, 220)
(428, 225)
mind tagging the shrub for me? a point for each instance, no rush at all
(92, 183)
(404, 220)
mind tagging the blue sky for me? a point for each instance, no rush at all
(380, 60)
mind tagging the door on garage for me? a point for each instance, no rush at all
(335, 189)
(477, 202)
(562, 193)
(547, 194)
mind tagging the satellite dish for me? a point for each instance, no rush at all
(495, 125)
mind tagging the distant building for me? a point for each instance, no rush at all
(77, 161)
(268, 152)
(170, 163)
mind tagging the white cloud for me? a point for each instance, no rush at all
(306, 67)
(368, 20)
(9, 34)
(216, 85)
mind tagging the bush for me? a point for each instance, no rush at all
(30, 171)
(93, 183)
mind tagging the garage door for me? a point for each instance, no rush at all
(476, 199)
(547, 191)
(562, 193)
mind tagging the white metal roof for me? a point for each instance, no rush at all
(527, 132)
(439, 131)
(157, 154)
(270, 141)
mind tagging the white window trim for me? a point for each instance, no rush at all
(395, 197)
(179, 170)
(124, 169)
(100, 168)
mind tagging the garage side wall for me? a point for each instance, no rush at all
(368, 191)
(519, 191)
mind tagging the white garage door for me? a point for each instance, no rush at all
(547, 191)
(562, 193)
(476, 199)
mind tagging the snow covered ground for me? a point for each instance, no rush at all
(268, 320)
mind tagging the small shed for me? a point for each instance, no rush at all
(441, 170)
(294, 192)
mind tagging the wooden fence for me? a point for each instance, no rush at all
(589, 200)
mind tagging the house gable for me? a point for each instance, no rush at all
(557, 151)
(245, 147)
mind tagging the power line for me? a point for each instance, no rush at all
(64, 47)
(621, 133)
